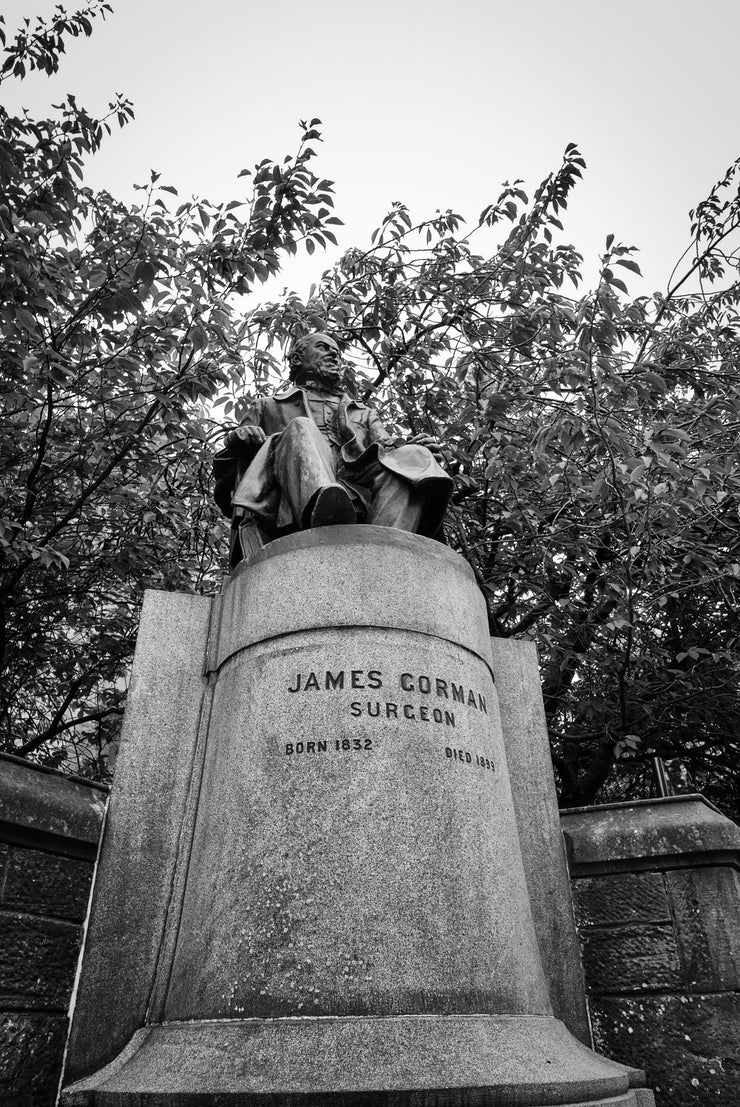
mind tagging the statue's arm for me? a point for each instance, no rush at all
(376, 432)
(379, 434)
(432, 444)
(229, 464)
(244, 441)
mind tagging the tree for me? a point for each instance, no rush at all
(593, 437)
(594, 441)
(119, 329)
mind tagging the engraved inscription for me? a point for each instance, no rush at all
(422, 684)
(465, 757)
(376, 709)
(331, 682)
(343, 745)
(443, 688)
(305, 747)
(435, 700)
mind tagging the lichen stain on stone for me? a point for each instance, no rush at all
(271, 940)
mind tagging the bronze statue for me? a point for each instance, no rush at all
(312, 456)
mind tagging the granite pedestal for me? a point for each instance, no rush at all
(311, 887)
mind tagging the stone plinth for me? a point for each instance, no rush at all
(540, 837)
(339, 904)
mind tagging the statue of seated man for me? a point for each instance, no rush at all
(311, 456)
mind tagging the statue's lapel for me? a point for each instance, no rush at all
(294, 395)
(348, 430)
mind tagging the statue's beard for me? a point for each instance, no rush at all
(328, 380)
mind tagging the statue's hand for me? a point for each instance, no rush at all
(432, 444)
(247, 435)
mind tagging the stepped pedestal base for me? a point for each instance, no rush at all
(456, 1060)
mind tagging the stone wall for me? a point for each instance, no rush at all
(656, 886)
(49, 830)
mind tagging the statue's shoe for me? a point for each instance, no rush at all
(332, 507)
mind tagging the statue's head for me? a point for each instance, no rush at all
(316, 360)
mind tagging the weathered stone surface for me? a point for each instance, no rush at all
(340, 598)
(706, 908)
(621, 898)
(529, 760)
(689, 1046)
(37, 961)
(49, 828)
(136, 873)
(30, 1058)
(41, 801)
(631, 959)
(686, 945)
(42, 883)
(653, 831)
(404, 1061)
(355, 851)
(348, 851)
(358, 876)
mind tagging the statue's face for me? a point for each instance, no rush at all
(321, 361)
(319, 351)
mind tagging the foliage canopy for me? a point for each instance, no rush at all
(119, 326)
(593, 435)
(594, 441)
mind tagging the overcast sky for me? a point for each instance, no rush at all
(432, 102)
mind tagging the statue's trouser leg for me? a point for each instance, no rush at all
(395, 502)
(304, 463)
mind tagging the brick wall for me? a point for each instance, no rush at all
(656, 888)
(49, 828)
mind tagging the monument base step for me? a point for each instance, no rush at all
(393, 1061)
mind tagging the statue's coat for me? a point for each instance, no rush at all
(365, 442)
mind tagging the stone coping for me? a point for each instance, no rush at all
(675, 831)
(685, 797)
(42, 808)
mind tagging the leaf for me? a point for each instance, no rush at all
(26, 320)
(144, 273)
(654, 380)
